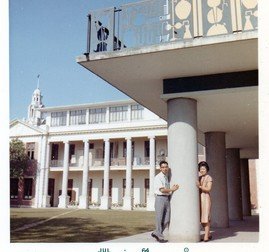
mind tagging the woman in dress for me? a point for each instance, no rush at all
(205, 184)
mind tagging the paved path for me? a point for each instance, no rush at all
(246, 230)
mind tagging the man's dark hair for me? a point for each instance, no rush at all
(163, 162)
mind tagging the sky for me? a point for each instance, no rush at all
(45, 37)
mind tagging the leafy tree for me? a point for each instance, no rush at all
(18, 158)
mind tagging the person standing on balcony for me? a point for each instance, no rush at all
(163, 194)
(205, 185)
(102, 36)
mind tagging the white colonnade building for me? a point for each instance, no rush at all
(92, 155)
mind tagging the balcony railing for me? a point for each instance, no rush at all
(56, 163)
(154, 22)
(118, 161)
(140, 161)
(97, 162)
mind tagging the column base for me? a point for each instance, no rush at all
(46, 201)
(83, 202)
(63, 201)
(105, 203)
(35, 203)
(151, 203)
(127, 203)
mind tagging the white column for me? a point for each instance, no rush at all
(152, 162)
(105, 200)
(64, 198)
(46, 197)
(182, 155)
(246, 205)
(87, 116)
(48, 120)
(234, 184)
(215, 157)
(107, 115)
(37, 185)
(129, 116)
(128, 197)
(84, 198)
(68, 118)
(42, 170)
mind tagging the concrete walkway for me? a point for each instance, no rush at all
(246, 230)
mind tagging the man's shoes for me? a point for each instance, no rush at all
(163, 240)
(155, 236)
(158, 239)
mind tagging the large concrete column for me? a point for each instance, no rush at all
(182, 155)
(46, 197)
(38, 175)
(127, 200)
(234, 184)
(64, 198)
(152, 162)
(215, 157)
(105, 200)
(42, 170)
(84, 197)
(246, 205)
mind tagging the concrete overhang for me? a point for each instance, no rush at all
(140, 72)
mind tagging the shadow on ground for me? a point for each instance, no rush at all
(80, 227)
(248, 225)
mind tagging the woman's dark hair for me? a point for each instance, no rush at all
(205, 164)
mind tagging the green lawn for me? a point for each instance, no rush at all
(77, 226)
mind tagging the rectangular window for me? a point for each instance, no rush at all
(27, 188)
(54, 151)
(124, 183)
(110, 187)
(30, 148)
(117, 114)
(77, 117)
(146, 148)
(70, 184)
(97, 115)
(51, 187)
(137, 112)
(71, 151)
(90, 190)
(99, 153)
(14, 184)
(146, 183)
(43, 117)
(111, 150)
(125, 149)
(58, 118)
